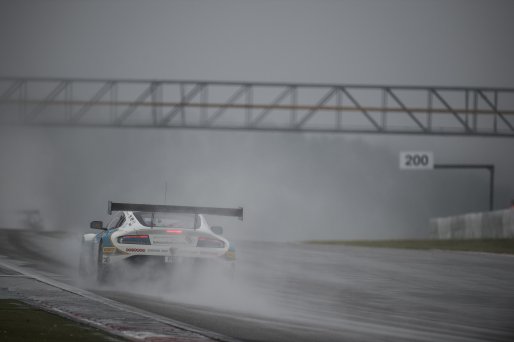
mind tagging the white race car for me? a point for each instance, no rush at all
(164, 234)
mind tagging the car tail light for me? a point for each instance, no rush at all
(134, 239)
(205, 241)
(174, 231)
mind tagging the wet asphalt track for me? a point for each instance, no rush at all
(295, 292)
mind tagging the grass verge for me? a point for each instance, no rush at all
(505, 246)
(21, 322)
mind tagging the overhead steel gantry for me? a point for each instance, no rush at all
(464, 111)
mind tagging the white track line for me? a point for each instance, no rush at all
(112, 303)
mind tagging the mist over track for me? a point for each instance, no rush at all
(297, 292)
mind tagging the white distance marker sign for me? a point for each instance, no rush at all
(416, 160)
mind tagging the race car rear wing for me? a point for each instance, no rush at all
(156, 208)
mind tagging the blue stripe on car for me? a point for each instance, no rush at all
(106, 237)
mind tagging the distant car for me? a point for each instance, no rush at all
(161, 233)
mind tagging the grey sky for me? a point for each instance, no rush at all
(436, 42)
(293, 185)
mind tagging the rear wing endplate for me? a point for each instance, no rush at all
(156, 208)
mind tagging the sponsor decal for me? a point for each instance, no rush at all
(153, 250)
(109, 250)
(135, 250)
(230, 255)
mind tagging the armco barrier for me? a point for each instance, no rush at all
(491, 224)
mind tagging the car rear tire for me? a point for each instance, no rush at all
(86, 261)
(102, 269)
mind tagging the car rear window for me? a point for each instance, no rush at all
(166, 220)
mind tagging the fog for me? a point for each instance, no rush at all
(292, 186)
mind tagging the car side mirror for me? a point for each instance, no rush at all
(217, 230)
(97, 225)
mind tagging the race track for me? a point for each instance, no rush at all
(297, 292)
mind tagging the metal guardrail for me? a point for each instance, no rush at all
(465, 111)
